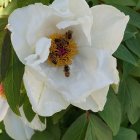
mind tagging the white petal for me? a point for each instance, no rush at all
(69, 7)
(108, 27)
(42, 48)
(95, 101)
(41, 52)
(27, 25)
(3, 108)
(45, 100)
(100, 97)
(76, 16)
(16, 128)
(90, 71)
(84, 24)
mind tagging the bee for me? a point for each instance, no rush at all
(68, 35)
(67, 70)
(53, 58)
(60, 43)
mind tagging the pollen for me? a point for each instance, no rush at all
(63, 49)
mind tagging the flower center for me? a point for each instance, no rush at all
(62, 51)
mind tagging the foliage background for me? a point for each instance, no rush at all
(120, 119)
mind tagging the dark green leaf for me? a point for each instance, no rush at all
(129, 96)
(138, 5)
(6, 56)
(97, 130)
(42, 136)
(126, 134)
(124, 54)
(12, 83)
(77, 130)
(134, 16)
(29, 113)
(4, 136)
(52, 133)
(122, 2)
(88, 127)
(112, 112)
(130, 32)
(134, 45)
(3, 23)
(56, 117)
(136, 127)
(22, 3)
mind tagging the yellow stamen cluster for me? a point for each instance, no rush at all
(61, 54)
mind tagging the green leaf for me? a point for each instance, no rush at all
(124, 54)
(77, 130)
(3, 23)
(134, 45)
(12, 83)
(52, 133)
(138, 5)
(122, 2)
(126, 134)
(136, 127)
(97, 130)
(92, 2)
(134, 16)
(130, 32)
(22, 3)
(5, 56)
(5, 136)
(132, 70)
(42, 136)
(29, 113)
(129, 97)
(112, 112)
(56, 117)
(88, 127)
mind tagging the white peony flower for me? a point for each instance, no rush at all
(17, 127)
(67, 50)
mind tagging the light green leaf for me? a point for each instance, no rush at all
(112, 112)
(126, 134)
